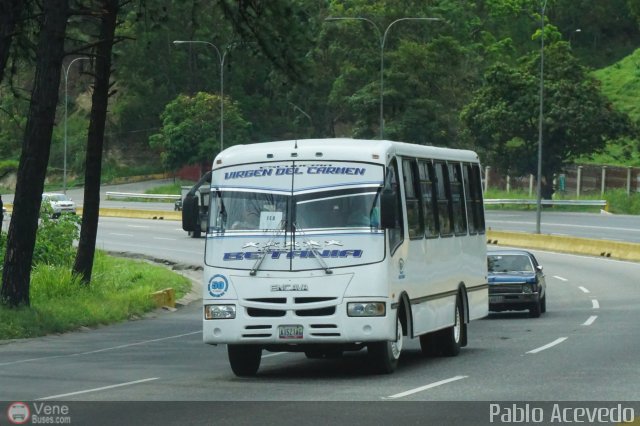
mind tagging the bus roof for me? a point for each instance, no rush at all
(335, 149)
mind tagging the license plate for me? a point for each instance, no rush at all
(495, 299)
(290, 331)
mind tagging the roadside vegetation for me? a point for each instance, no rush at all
(618, 202)
(120, 289)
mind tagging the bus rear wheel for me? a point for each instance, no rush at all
(384, 356)
(244, 359)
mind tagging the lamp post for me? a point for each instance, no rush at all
(66, 99)
(540, 119)
(221, 57)
(382, 38)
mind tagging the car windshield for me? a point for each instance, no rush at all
(509, 263)
(56, 197)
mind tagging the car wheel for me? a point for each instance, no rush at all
(384, 356)
(244, 359)
(451, 338)
(194, 234)
(535, 310)
(543, 304)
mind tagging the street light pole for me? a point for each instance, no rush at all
(382, 37)
(221, 57)
(66, 100)
(540, 119)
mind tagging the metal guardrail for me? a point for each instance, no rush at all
(116, 195)
(593, 203)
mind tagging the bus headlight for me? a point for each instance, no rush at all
(219, 312)
(366, 309)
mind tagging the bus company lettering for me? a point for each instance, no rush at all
(287, 171)
(291, 254)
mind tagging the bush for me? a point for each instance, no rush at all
(54, 241)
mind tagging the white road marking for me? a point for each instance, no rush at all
(121, 235)
(591, 319)
(595, 304)
(138, 226)
(164, 239)
(21, 361)
(119, 385)
(560, 278)
(425, 387)
(584, 289)
(547, 346)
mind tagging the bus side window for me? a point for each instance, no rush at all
(457, 199)
(443, 195)
(475, 179)
(412, 202)
(392, 187)
(427, 192)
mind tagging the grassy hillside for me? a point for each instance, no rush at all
(621, 84)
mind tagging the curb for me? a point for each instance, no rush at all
(576, 245)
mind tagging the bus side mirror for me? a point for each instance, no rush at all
(190, 213)
(388, 210)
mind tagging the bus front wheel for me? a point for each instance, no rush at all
(244, 359)
(384, 356)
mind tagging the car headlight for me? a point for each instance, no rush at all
(219, 312)
(528, 288)
(366, 309)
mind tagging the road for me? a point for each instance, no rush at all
(583, 349)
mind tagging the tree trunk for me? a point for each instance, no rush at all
(95, 141)
(21, 238)
(10, 11)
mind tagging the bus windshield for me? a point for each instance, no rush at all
(257, 211)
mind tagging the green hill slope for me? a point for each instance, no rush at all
(621, 83)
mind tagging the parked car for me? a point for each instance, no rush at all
(60, 203)
(516, 282)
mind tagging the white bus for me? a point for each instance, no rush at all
(330, 245)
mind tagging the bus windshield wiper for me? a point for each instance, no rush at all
(269, 244)
(312, 247)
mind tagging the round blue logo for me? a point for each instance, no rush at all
(218, 285)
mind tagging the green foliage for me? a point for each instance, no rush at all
(578, 119)
(8, 166)
(120, 290)
(621, 83)
(54, 240)
(191, 129)
(621, 203)
(174, 188)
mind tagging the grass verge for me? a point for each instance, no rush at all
(120, 290)
(618, 202)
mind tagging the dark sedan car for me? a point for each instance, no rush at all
(516, 282)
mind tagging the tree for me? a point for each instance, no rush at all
(87, 244)
(10, 14)
(503, 115)
(191, 128)
(35, 154)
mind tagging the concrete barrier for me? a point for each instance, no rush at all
(165, 298)
(587, 246)
(139, 213)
